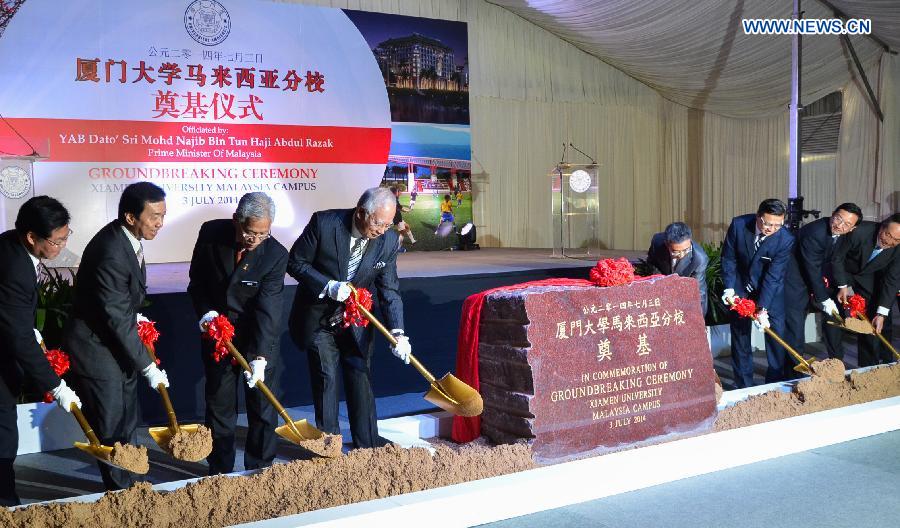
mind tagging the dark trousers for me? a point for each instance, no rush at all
(796, 304)
(871, 350)
(330, 353)
(111, 408)
(9, 445)
(742, 352)
(222, 380)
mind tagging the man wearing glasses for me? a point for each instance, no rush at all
(237, 270)
(42, 229)
(754, 262)
(867, 262)
(810, 273)
(673, 252)
(337, 248)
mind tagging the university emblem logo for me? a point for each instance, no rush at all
(207, 22)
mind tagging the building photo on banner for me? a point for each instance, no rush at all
(424, 66)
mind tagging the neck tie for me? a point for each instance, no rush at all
(140, 254)
(875, 252)
(759, 239)
(239, 255)
(355, 256)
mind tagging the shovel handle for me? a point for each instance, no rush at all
(883, 339)
(263, 388)
(393, 340)
(85, 426)
(164, 393)
(782, 342)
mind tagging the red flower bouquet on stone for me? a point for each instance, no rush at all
(352, 314)
(612, 272)
(59, 360)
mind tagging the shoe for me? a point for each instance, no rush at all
(401, 250)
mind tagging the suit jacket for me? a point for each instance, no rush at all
(811, 261)
(18, 301)
(764, 270)
(249, 295)
(693, 265)
(876, 280)
(101, 334)
(322, 253)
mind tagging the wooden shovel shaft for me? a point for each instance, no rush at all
(263, 388)
(85, 426)
(164, 393)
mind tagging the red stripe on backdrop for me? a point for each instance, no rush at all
(149, 141)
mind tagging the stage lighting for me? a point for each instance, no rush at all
(466, 237)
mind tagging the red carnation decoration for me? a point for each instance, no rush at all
(857, 305)
(220, 330)
(149, 335)
(612, 272)
(744, 307)
(59, 360)
(352, 314)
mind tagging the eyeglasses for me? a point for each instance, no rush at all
(250, 237)
(62, 242)
(840, 222)
(680, 253)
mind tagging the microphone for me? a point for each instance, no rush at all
(582, 152)
(33, 151)
(562, 159)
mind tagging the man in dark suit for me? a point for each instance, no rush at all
(754, 261)
(238, 270)
(101, 334)
(809, 273)
(673, 252)
(338, 247)
(867, 262)
(42, 230)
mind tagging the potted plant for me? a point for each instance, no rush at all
(717, 328)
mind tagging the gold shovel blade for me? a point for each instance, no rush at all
(163, 435)
(455, 396)
(801, 368)
(307, 432)
(100, 452)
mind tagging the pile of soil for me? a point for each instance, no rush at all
(283, 489)
(366, 474)
(192, 447)
(130, 457)
(828, 388)
(329, 446)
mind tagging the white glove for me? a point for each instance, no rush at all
(141, 318)
(339, 291)
(155, 376)
(829, 307)
(258, 372)
(762, 320)
(403, 348)
(206, 319)
(38, 336)
(65, 396)
(728, 296)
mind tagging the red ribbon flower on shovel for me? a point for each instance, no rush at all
(59, 360)
(220, 330)
(149, 335)
(857, 305)
(744, 307)
(612, 272)
(352, 314)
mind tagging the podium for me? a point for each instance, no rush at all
(575, 209)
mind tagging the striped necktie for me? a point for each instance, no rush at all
(356, 253)
(759, 239)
